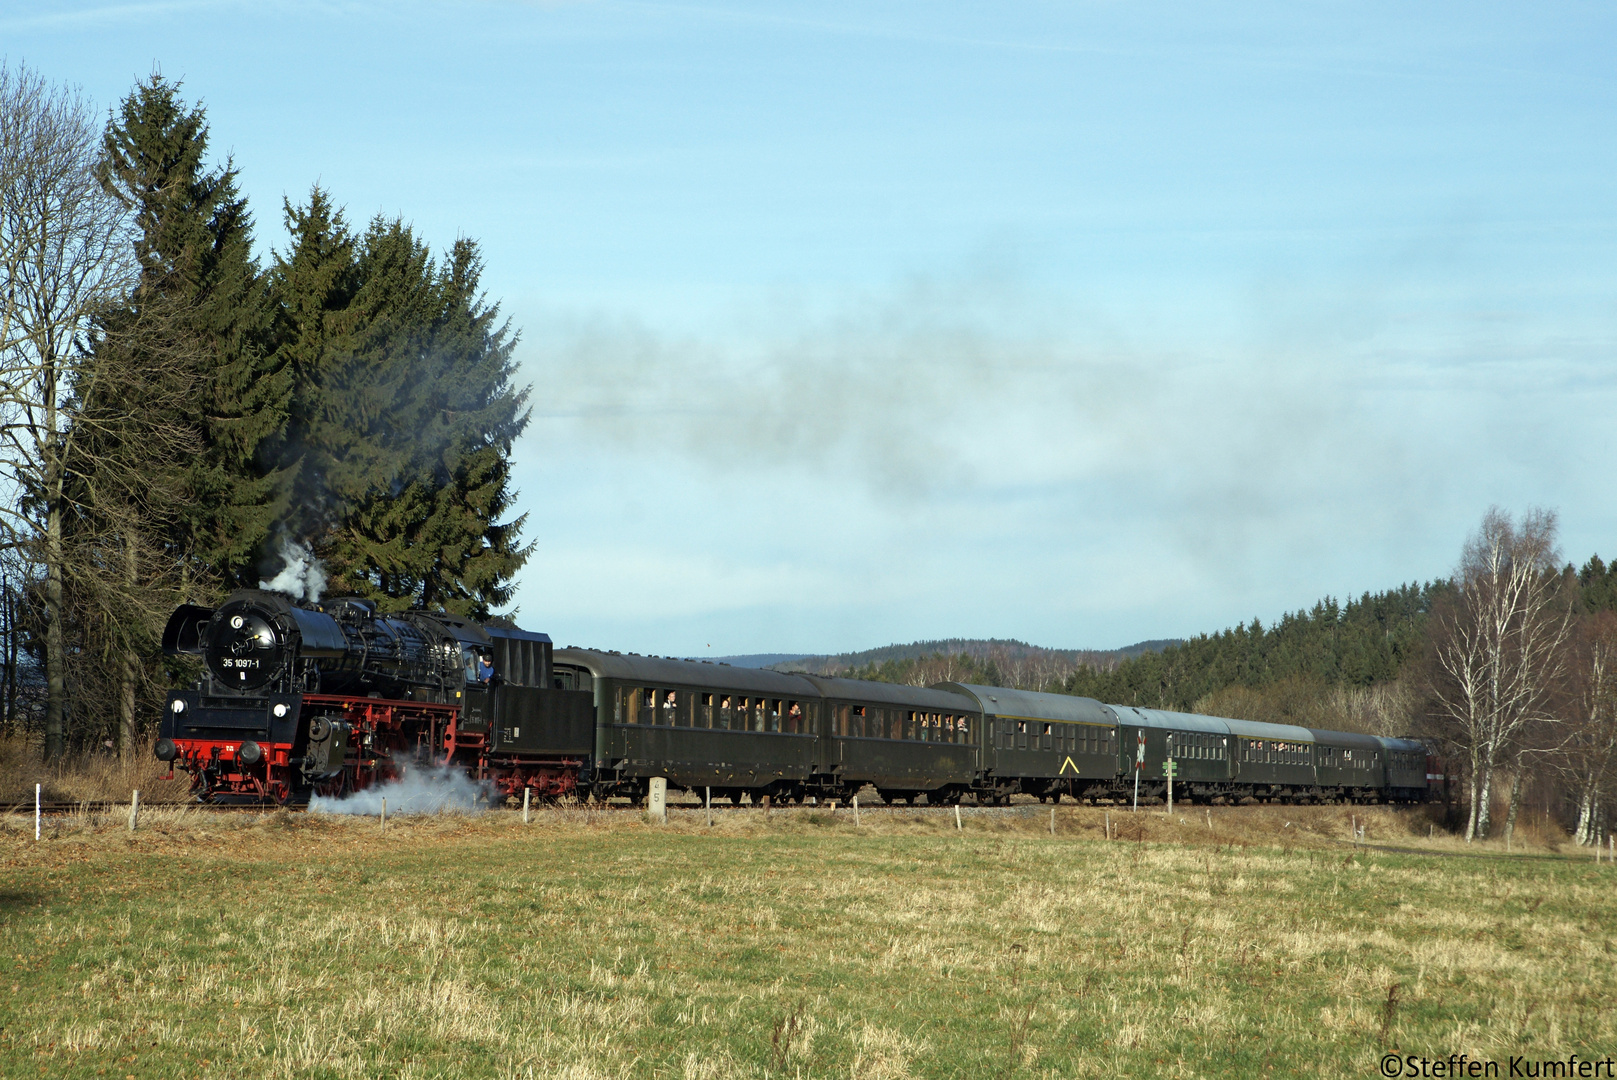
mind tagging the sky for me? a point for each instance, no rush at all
(1078, 323)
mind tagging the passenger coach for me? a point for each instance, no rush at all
(745, 732)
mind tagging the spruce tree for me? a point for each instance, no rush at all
(403, 416)
(203, 297)
(327, 438)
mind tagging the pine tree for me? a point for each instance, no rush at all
(404, 415)
(329, 452)
(195, 250)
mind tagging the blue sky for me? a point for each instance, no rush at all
(1078, 323)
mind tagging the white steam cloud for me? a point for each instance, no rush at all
(301, 577)
(439, 790)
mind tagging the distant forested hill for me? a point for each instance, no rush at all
(992, 661)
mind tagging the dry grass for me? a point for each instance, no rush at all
(595, 945)
(86, 778)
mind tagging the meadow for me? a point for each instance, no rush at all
(1245, 941)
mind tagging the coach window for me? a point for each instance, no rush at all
(725, 710)
(794, 718)
(623, 705)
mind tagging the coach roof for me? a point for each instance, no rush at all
(914, 697)
(1173, 721)
(661, 671)
(1032, 705)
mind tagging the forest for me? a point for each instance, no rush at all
(178, 420)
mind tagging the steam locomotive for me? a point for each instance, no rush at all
(333, 698)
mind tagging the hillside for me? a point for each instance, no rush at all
(994, 661)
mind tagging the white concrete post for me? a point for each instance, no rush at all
(856, 811)
(134, 808)
(36, 812)
(384, 815)
(707, 799)
(657, 800)
(527, 793)
(957, 824)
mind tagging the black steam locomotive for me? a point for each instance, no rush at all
(335, 697)
(330, 698)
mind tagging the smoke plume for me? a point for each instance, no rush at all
(439, 790)
(301, 576)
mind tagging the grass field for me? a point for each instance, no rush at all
(589, 945)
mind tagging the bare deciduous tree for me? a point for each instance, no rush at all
(64, 256)
(1591, 747)
(1499, 647)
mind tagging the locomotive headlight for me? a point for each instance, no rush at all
(178, 706)
(280, 710)
(237, 622)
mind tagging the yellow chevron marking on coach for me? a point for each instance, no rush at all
(1064, 766)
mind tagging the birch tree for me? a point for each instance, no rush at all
(1591, 759)
(64, 257)
(1500, 647)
